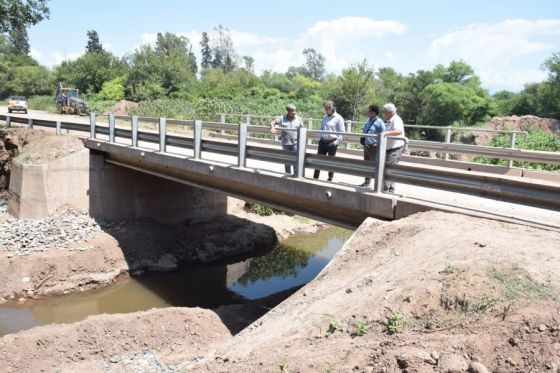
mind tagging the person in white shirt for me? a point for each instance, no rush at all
(328, 143)
(393, 127)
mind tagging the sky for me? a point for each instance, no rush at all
(505, 42)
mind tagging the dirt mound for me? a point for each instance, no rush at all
(515, 123)
(175, 334)
(432, 292)
(12, 142)
(123, 107)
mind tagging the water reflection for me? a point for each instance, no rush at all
(295, 262)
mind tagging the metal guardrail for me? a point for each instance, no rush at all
(351, 124)
(520, 191)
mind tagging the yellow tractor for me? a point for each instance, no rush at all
(68, 101)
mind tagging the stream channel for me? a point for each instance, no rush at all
(293, 263)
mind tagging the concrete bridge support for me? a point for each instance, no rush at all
(38, 190)
(118, 193)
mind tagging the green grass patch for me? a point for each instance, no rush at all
(518, 284)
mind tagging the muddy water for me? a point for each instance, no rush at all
(295, 262)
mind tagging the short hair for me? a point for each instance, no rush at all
(374, 108)
(328, 104)
(391, 108)
(291, 107)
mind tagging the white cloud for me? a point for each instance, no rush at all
(493, 49)
(335, 37)
(52, 58)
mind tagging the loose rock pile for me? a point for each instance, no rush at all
(22, 237)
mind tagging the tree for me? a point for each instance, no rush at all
(19, 42)
(205, 51)
(249, 63)
(20, 14)
(176, 47)
(448, 103)
(93, 44)
(551, 98)
(90, 71)
(353, 90)
(314, 67)
(224, 54)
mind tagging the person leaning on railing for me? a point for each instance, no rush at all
(393, 127)
(328, 143)
(373, 125)
(288, 138)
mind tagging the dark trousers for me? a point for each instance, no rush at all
(291, 148)
(326, 148)
(392, 156)
(370, 154)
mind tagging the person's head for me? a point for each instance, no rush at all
(373, 111)
(329, 107)
(291, 111)
(390, 110)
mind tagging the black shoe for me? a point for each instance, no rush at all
(329, 179)
(365, 184)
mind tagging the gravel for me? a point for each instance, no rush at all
(21, 237)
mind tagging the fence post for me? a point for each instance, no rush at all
(92, 125)
(248, 120)
(58, 127)
(309, 127)
(512, 146)
(242, 141)
(111, 128)
(223, 121)
(301, 148)
(197, 138)
(162, 134)
(134, 128)
(380, 163)
(8, 121)
(30, 123)
(447, 140)
(349, 130)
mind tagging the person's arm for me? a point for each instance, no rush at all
(273, 124)
(340, 128)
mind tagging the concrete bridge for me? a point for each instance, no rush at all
(174, 177)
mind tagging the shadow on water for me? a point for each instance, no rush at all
(248, 286)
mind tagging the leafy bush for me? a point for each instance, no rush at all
(536, 140)
(44, 103)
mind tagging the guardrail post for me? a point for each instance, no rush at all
(197, 138)
(30, 123)
(8, 121)
(134, 129)
(349, 130)
(309, 127)
(380, 163)
(447, 139)
(111, 127)
(92, 125)
(512, 146)
(242, 141)
(223, 121)
(162, 134)
(301, 148)
(58, 127)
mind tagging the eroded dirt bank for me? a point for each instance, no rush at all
(432, 292)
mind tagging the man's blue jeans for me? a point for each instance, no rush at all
(291, 148)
